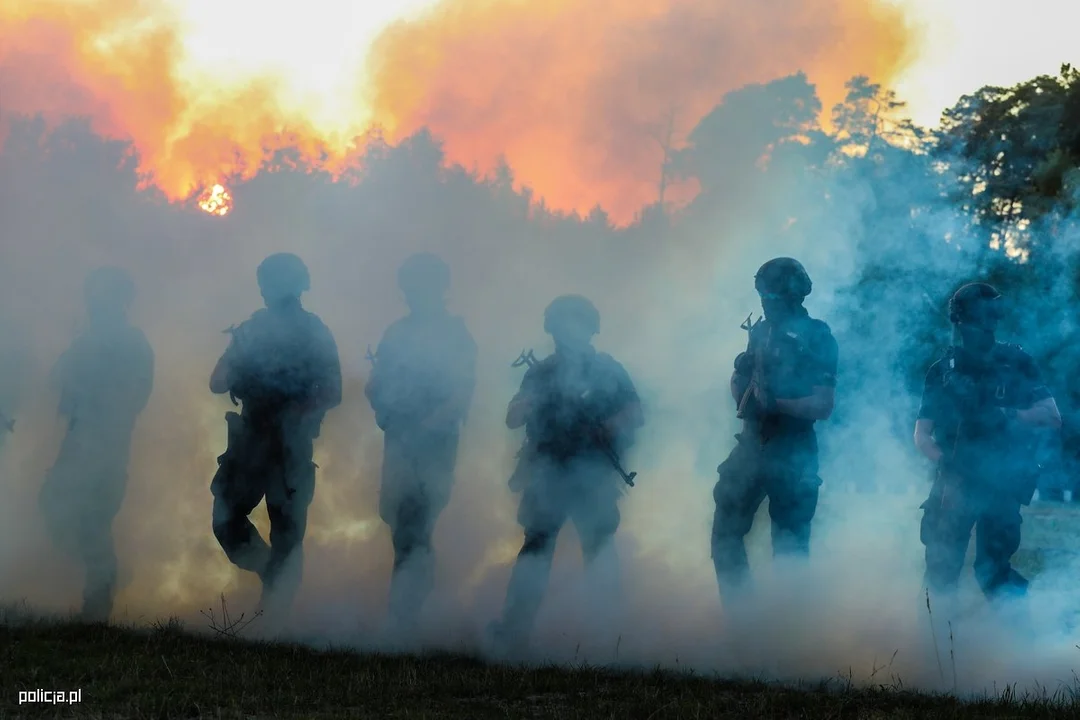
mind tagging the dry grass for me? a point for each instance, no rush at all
(165, 671)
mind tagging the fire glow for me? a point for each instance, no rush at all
(216, 200)
(572, 94)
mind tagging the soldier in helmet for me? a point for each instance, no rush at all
(576, 405)
(105, 379)
(783, 383)
(282, 364)
(979, 405)
(421, 387)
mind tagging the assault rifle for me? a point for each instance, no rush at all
(528, 359)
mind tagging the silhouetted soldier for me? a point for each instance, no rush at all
(283, 365)
(783, 383)
(421, 387)
(105, 379)
(979, 407)
(579, 408)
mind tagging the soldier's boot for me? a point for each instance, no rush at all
(524, 594)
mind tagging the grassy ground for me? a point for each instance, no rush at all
(167, 672)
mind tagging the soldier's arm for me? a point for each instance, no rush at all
(219, 379)
(924, 439)
(1042, 410)
(519, 409)
(930, 409)
(629, 416)
(524, 402)
(740, 378)
(822, 364)
(383, 358)
(143, 382)
(816, 406)
(1044, 413)
(328, 395)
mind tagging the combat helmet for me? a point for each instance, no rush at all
(109, 289)
(424, 275)
(571, 309)
(976, 303)
(283, 275)
(783, 276)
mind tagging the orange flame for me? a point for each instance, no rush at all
(579, 96)
(216, 201)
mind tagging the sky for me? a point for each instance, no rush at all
(966, 44)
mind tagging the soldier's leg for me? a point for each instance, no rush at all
(793, 500)
(235, 532)
(945, 531)
(414, 566)
(597, 518)
(99, 556)
(997, 538)
(60, 511)
(288, 511)
(738, 494)
(97, 546)
(541, 514)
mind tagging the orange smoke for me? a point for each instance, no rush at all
(575, 94)
(118, 63)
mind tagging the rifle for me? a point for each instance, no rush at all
(755, 377)
(529, 359)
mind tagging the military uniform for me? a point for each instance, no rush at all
(105, 380)
(283, 366)
(420, 389)
(987, 472)
(565, 471)
(776, 455)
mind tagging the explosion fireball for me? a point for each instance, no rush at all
(216, 200)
